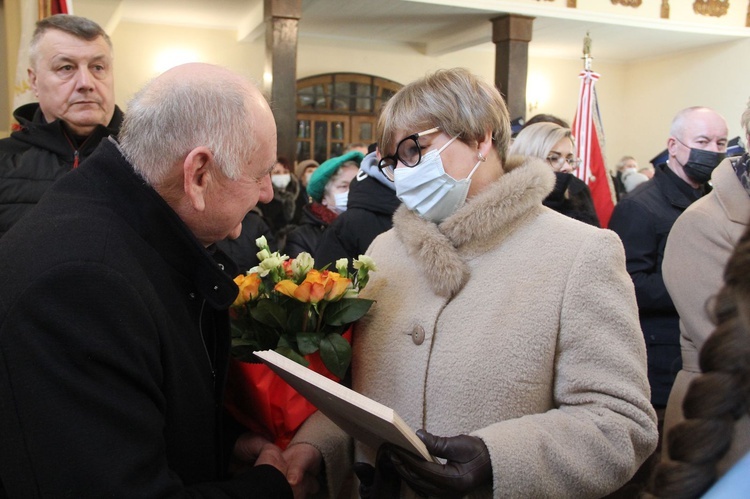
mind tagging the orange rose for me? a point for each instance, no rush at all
(316, 286)
(249, 288)
(336, 285)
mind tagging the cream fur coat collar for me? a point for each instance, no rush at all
(488, 216)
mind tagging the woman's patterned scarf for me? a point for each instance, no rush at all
(742, 169)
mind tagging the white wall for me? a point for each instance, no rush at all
(137, 48)
(637, 101)
(716, 77)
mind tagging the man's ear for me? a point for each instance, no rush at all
(32, 80)
(197, 175)
(671, 146)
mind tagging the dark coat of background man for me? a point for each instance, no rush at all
(643, 219)
(71, 74)
(114, 331)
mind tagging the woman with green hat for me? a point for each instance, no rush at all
(328, 189)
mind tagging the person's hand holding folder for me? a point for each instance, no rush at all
(467, 466)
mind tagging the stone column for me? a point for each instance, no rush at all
(511, 34)
(281, 19)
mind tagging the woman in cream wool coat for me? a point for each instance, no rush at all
(699, 245)
(500, 324)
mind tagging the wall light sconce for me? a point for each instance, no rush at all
(537, 91)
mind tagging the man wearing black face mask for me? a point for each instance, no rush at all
(643, 220)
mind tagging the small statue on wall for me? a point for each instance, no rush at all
(572, 4)
(665, 9)
(587, 45)
(715, 8)
(628, 3)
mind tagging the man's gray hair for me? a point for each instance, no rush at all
(164, 122)
(677, 129)
(78, 26)
(621, 164)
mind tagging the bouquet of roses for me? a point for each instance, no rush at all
(301, 312)
(286, 305)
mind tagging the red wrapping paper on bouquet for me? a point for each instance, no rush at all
(264, 403)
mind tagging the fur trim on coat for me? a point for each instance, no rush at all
(516, 195)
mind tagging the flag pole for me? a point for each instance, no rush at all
(587, 130)
(44, 9)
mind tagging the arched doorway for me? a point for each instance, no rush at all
(336, 109)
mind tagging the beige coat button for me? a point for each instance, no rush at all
(417, 335)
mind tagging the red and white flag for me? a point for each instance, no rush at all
(587, 129)
(61, 7)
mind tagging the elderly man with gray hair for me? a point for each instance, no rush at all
(114, 344)
(630, 174)
(71, 74)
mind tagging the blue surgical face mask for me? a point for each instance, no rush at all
(340, 200)
(430, 192)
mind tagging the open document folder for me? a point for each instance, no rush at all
(364, 419)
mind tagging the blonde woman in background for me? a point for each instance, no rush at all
(554, 144)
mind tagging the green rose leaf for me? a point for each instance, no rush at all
(237, 330)
(346, 310)
(308, 342)
(291, 354)
(336, 354)
(269, 313)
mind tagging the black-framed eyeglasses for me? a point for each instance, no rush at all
(559, 161)
(408, 153)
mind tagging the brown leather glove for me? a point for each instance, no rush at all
(467, 467)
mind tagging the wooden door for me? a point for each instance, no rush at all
(363, 129)
(337, 109)
(322, 136)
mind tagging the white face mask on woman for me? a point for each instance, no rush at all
(430, 192)
(341, 198)
(281, 180)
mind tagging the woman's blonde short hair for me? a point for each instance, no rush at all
(537, 140)
(453, 99)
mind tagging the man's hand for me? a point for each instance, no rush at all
(251, 449)
(270, 454)
(304, 462)
(248, 447)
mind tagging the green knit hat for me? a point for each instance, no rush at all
(317, 185)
